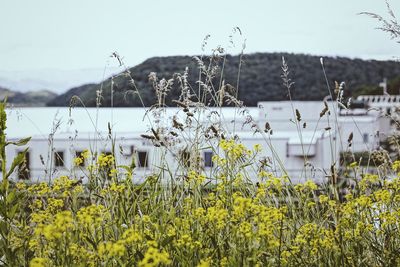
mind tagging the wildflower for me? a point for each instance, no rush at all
(396, 166)
(78, 161)
(364, 201)
(20, 185)
(224, 262)
(205, 263)
(353, 164)
(132, 236)
(217, 216)
(196, 177)
(110, 249)
(116, 188)
(38, 262)
(323, 198)
(245, 229)
(92, 216)
(154, 257)
(105, 160)
(257, 148)
(309, 184)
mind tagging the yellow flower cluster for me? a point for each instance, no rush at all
(105, 160)
(196, 177)
(78, 161)
(154, 258)
(234, 150)
(111, 249)
(92, 216)
(225, 222)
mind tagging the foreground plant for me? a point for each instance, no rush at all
(230, 223)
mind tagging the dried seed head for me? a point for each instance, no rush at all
(324, 110)
(298, 115)
(350, 139)
(267, 127)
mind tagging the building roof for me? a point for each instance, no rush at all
(41, 121)
(292, 137)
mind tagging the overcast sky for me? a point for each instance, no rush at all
(75, 34)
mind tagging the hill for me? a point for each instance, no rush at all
(260, 78)
(32, 98)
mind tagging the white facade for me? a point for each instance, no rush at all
(367, 126)
(301, 151)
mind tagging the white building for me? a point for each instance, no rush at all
(303, 151)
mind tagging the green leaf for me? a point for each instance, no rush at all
(13, 210)
(17, 161)
(10, 197)
(3, 228)
(20, 142)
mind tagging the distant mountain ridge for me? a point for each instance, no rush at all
(260, 78)
(31, 98)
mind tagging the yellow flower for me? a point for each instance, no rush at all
(78, 161)
(224, 262)
(132, 236)
(205, 263)
(154, 257)
(38, 262)
(20, 185)
(105, 160)
(323, 198)
(110, 249)
(396, 166)
(353, 164)
(310, 185)
(92, 216)
(364, 201)
(257, 148)
(196, 177)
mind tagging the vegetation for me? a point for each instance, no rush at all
(224, 220)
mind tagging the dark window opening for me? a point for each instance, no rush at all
(143, 159)
(59, 159)
(23, 168)
(208, 159)
(365, 138)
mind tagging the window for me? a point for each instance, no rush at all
(143, 159)
(365, 138)
(81, 163)
(59, 159)
(185, 159)
(23, 168)
(208, 159)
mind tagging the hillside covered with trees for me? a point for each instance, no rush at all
(260, 79)
(27, 99)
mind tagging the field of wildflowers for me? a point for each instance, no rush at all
(227, 222)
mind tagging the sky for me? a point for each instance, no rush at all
(48, 44)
